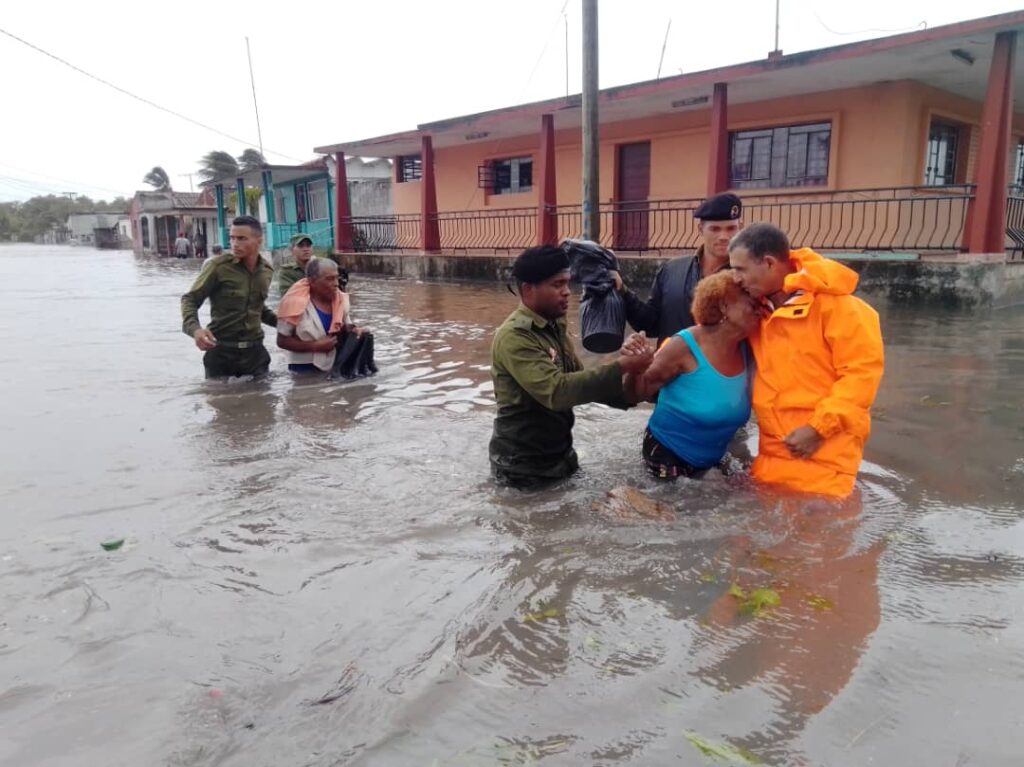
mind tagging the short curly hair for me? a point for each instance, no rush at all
(711, 293)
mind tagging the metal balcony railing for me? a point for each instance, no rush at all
(914, 219)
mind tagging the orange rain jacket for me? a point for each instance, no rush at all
(819, 362)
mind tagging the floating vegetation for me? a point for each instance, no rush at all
(819, 602)
(541, 612)
(722, 751)
(757, 601)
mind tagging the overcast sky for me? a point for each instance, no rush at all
(335, 71)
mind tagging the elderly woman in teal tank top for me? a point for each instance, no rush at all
(701, 378)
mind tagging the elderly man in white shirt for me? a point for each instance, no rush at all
(315, 326)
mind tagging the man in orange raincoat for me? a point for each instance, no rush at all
(819, 362)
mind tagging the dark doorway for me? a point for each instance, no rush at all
(633, 186)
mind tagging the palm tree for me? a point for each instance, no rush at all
(217, 165)
(251, 159)
(158, 179)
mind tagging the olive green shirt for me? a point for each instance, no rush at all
(287, 275)
(537, 380)
(237, 299)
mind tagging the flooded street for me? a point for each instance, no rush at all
(324, 574)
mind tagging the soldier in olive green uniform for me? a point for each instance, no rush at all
(237, 285)
(538, 378)
(293, 271)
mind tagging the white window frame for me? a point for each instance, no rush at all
(316, 192)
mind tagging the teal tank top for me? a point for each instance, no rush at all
(699, 412)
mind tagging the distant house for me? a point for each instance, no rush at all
(101, 230)
(303, 198)
(157, 217)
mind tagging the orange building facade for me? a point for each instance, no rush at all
(905, 144)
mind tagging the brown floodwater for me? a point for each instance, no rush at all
(322, 573)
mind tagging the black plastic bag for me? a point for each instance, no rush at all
(602, 309)
(354, 357)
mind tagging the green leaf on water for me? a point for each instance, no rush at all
(757, 601)
(591, 642)
(112, 545)
(722, 752)
(542, 615)
(927, 401)
(819, 602)
(760, 600)
(709, 578)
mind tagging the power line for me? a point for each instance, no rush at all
(495, 145)
(142, 99)
(34, 188)
(119, 192)
(918, 25)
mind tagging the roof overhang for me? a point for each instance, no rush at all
(955, 58)
(280, 174)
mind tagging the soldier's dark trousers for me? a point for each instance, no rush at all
(224, 361)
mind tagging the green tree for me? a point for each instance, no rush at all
(251, 159)
(158, 179)
(217, 165)
(252, 200)
(24, 221)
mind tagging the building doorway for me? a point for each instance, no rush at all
(632, 188)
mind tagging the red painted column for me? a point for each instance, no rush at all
(342, 208)
(986, 218)
(547, 214)
(718, 153)
(430, 231)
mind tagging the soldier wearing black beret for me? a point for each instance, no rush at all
(667, 311)
(538, 378)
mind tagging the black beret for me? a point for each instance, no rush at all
(539, 264)
(721, 207)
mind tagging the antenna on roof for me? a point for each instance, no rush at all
(775, 50)
(252, 81)
(663, 46)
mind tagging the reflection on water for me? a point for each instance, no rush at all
(322, 573)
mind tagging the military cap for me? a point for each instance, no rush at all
(297, 238)
(539, 264)
(721, 207)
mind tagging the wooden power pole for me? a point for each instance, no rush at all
(591, 138)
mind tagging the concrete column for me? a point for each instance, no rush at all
(547, 214)
(718, 152)
(342, 208)
(986, 217)
(268, 200)
(222, 236)
(241, 206)
(430, 230)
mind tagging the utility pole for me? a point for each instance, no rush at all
(591, 139)
(191, 186)
(71, 201)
